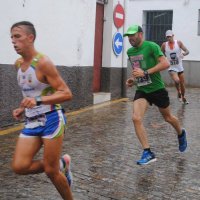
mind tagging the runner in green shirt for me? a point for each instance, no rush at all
(147, 60)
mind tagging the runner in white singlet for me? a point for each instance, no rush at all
(175, 51)
(43, 90)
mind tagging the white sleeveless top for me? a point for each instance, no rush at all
(32, 87)
(174, 56)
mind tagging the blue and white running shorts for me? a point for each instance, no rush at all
(49, 125)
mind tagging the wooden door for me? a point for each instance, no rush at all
(98, 47)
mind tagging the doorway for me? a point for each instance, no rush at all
(98, 46)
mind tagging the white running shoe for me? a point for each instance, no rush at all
(66, 160)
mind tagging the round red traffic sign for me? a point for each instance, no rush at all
(118, 15)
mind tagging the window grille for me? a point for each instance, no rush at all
(156, 24)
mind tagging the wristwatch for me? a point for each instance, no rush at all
(38, 100)
(146, 73)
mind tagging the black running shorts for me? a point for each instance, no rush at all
(160, 98)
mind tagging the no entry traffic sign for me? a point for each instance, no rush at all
(118, 16)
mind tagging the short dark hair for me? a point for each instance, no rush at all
(140, 29)
(29, 25)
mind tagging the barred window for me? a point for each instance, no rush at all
(156, 24)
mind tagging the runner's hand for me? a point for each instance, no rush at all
(130, 82)
(17, 113)
(182, 55)
(137, 72)
(28, 102)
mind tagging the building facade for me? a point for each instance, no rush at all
(182, 16)
(83, 38)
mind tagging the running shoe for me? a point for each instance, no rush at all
(147, 157)
(182, 141)
(66, 159)
(185, 100)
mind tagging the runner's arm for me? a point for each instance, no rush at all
(182, 46)
(18, 112)
(163, 47)
(52, 76)
(162, 65)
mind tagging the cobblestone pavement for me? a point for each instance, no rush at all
(104, 148)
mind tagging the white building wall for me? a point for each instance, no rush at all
(65, 29)
(185, 19)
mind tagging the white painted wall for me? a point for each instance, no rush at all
(65, 29)
(185, 19)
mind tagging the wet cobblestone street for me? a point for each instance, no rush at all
(104, 148)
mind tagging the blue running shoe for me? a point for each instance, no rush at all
(66, 159)
(68, 175)
(147, 157)
(182, 141)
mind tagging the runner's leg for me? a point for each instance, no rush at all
(139, 109)
(170, 118)
(182, 86)
(26, 149)
(52, 154)
(175, 78)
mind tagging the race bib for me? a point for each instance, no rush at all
(174, 62)
(138, 62)
(174, 59)
(141, 81)
(35, 122)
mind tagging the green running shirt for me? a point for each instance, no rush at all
(146, 57)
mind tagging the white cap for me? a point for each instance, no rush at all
(169, 33)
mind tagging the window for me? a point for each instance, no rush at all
(156, 24)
